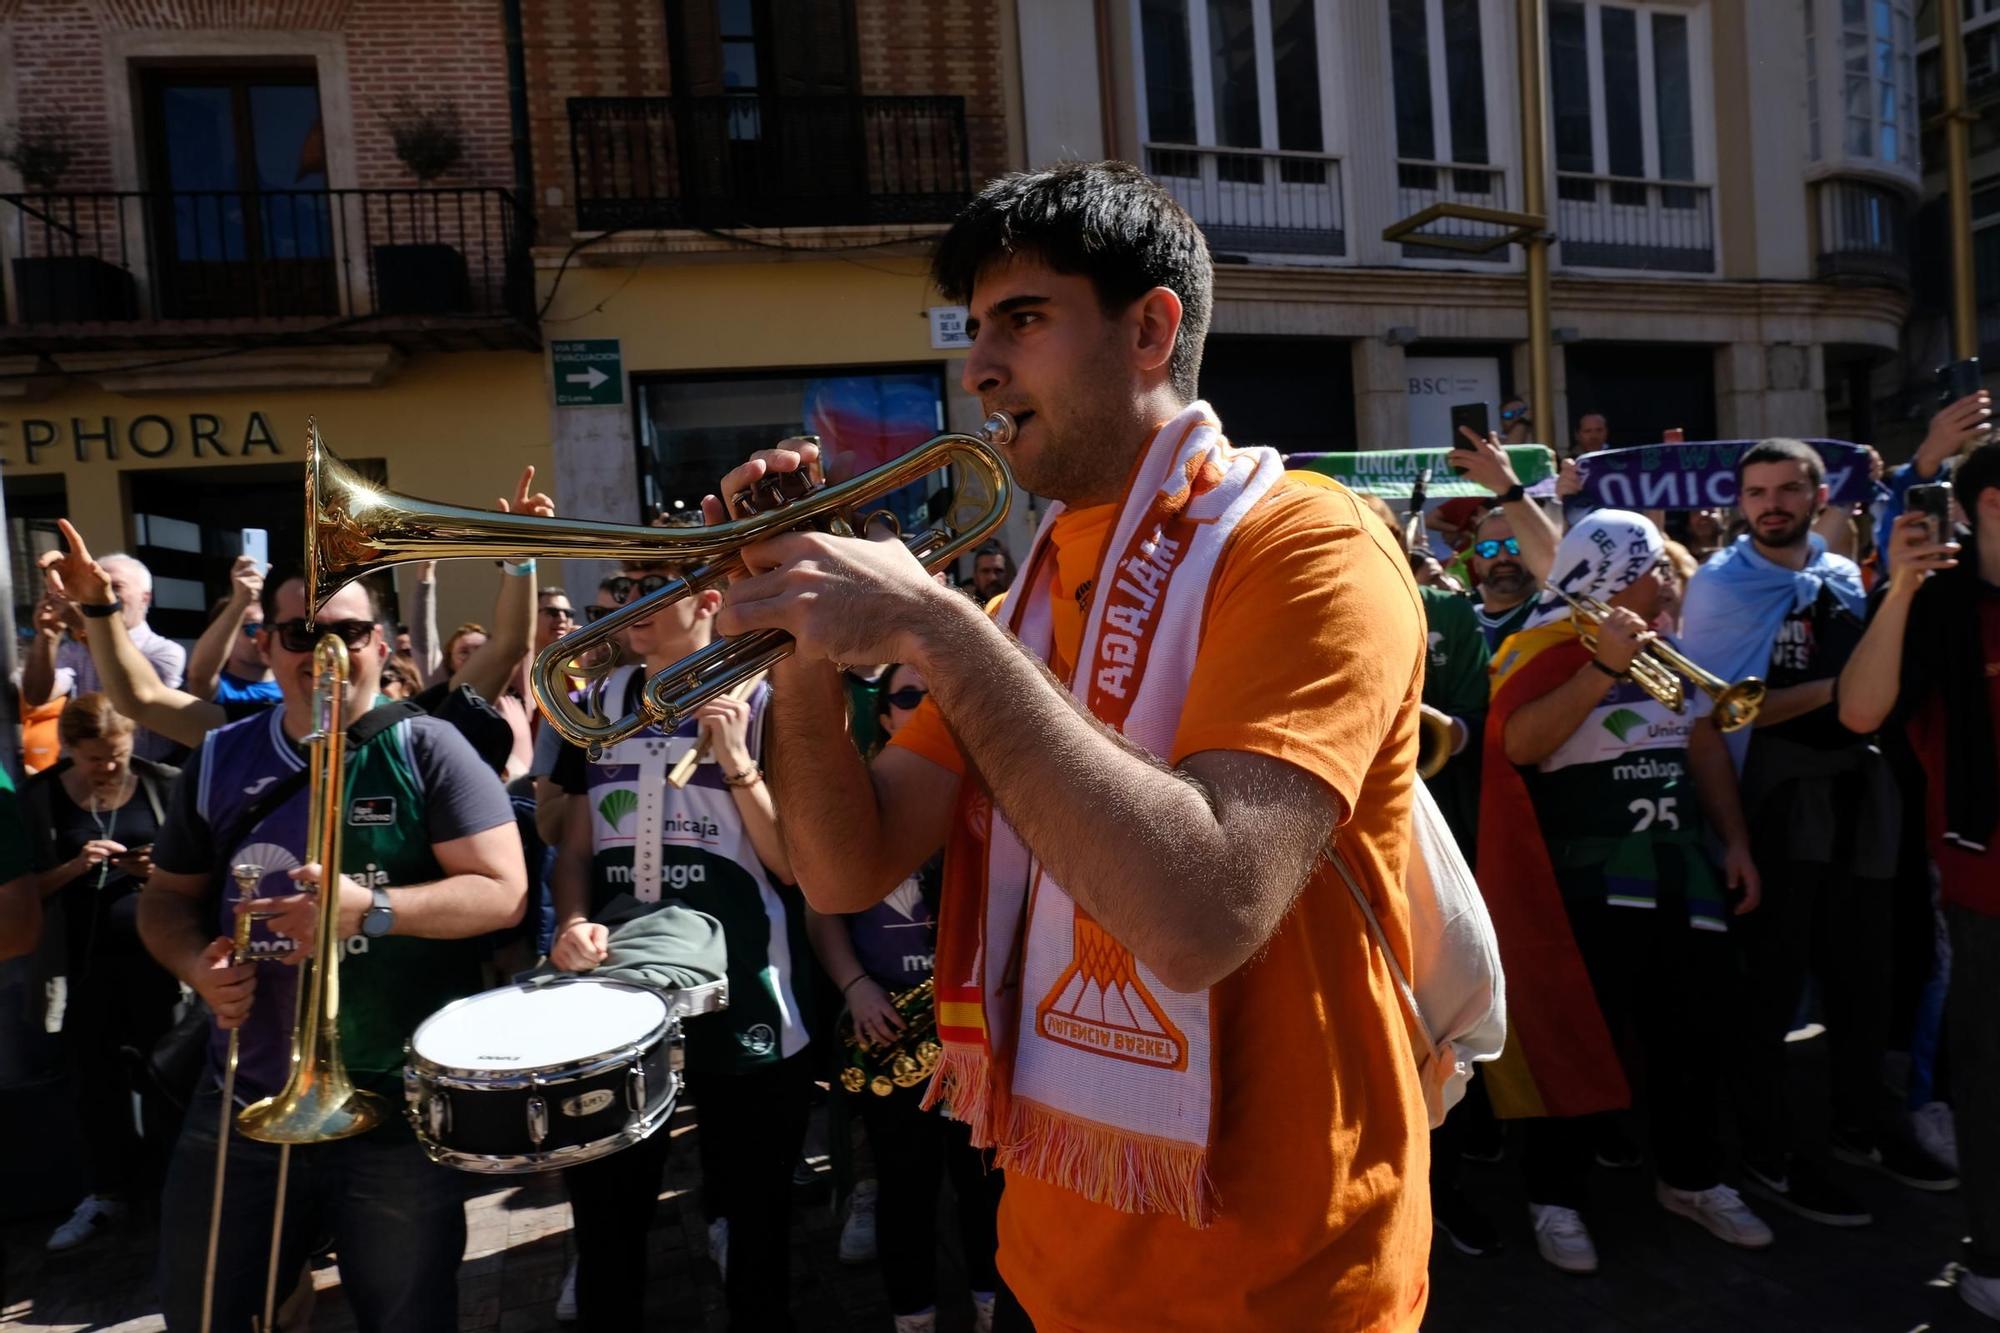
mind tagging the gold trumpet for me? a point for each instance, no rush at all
(318, 1103)
(356, 528)
(1659, 670)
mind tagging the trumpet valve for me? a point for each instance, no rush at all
(775, 490)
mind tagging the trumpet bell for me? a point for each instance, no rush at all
(1736, 706)
(317, 1109)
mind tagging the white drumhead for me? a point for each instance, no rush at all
(529, 1027)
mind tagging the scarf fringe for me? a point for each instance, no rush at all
(962, 1085)
(1114, 1167)
(1129, 1172)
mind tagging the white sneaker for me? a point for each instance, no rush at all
(94, 1216)
(924, 1322)
(1720, 1209)
(1560, 1236)
(718, 1245)
(1936, 1132)
(1981, 1293)
(566, 1300)
(982, 1311)
(857, 1236)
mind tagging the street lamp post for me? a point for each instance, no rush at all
(1958, 196)
(1532, 38)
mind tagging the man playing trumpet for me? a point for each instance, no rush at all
(429, 828)
(1608, 911)
(1155, 993)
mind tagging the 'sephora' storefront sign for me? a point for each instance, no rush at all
(103, 439)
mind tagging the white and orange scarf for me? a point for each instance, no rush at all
(1063, 1051)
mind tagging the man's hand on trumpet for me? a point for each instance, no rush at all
(296, 915)
(226, 986)
(840, 599)
(1621, 636)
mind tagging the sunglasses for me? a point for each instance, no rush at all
(1514, 414)
(558, 613)
(593, 614)
(906, 698)
(622, 587)
(250, 631)
(1489, 548)
(302, 636)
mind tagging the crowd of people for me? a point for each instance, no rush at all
(1678, 893)
(1090, 806)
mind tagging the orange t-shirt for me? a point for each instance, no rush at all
(1312, 652)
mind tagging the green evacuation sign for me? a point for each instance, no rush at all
(589, 372)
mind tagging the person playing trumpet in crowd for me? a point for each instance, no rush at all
(1609, 913)
(429, 828)
(1222, 668)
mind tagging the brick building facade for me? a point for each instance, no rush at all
(869, 48)
(77, 62)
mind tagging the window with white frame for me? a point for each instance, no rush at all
(1235, 119)
(1878, 84)
(1437, 62)
(1622, 82)
(1233, 73)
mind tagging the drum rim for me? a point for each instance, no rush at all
(521, 1164)
(565, 1071)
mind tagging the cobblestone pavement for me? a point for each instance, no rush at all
(1658, 1272)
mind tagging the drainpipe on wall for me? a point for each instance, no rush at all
(517, 108)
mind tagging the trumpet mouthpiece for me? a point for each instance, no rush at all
(998, 429)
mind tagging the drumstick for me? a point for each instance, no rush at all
(683, 772)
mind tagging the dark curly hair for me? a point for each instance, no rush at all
(1107, 221)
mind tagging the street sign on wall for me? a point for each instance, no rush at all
(589, 372)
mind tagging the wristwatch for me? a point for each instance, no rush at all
(101, 611)
(377, 920)
(1512, 493)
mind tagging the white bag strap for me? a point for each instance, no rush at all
(1413, 1014)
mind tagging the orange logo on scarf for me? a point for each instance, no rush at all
(1100, 1005)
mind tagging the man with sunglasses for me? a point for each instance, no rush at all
(1513, 542)
(630, 842)
(227, 665)
(432, 863)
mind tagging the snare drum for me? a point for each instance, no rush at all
(543, 1075)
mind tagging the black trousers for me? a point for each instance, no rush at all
(1663, 987)
(752, 1127)
(914, 1150)
(613, 1200)
(1972, 1027)
(125, 1005)
(1817, 919)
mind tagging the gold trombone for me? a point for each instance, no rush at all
(356, 528)
(1659, 670)
(319, 1103)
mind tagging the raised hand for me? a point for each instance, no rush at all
(72, 574)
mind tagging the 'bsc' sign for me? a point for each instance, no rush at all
(150, 436)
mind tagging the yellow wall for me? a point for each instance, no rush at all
(451, 426)
(752, 314)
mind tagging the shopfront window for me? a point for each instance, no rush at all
(694, 428)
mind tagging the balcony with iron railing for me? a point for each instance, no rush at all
(1630, 223)
(1256, 201)
(1422, 182)
(425, 268)
(1863, 233)
(766, 161)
